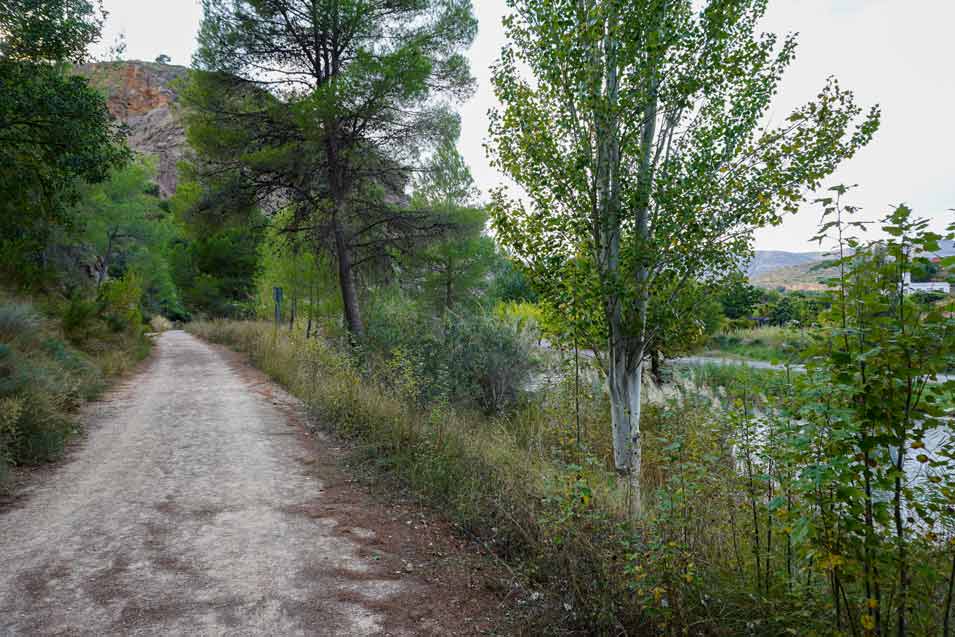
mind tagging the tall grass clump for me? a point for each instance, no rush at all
(40, 380)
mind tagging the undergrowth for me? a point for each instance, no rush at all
(51, 361)
(540, 490)
(774, 344)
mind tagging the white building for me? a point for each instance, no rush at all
(929, 286)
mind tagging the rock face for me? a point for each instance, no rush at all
(143, 96)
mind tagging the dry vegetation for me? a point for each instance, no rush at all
(548, 507)
(51, 361)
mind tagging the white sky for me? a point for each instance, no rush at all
(899, 53)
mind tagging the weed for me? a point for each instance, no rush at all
(17, 319)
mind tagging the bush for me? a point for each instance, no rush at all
(488, 360)
(480, 360)
(35, 390)
(79, 318)
(43, 378)
(16, 319)
(119, 299)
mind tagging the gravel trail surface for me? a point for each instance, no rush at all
(193, 508)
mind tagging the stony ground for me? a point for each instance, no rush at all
(200, 505)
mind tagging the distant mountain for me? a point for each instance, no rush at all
(765, 261)
(800, 270)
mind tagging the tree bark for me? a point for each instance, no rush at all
(626, 355)
(346, 278)
(625, 384)
(655, 369)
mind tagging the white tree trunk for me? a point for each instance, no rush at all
(635, 382)
(625, 383)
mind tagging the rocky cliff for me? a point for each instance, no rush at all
(144, 95)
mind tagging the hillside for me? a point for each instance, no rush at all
(765, 261)
(803, 276)
(800, 270)
(143, 96)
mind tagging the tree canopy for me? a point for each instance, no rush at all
(54, 128)
(323, 107)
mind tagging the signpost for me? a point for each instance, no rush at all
(277, 293)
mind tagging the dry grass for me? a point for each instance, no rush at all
(160, 323)
(555, 514)
(44, 377)
(520, 504)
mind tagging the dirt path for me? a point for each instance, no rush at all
(198, 506)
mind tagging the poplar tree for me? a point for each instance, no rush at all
(637, 133)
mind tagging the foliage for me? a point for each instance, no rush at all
(43, 378)
(875, 429)
(639, 144)
(844, 470)
(213, 260)
(739, 298)
(49, 30)
(129, 230)
(334, 127)
(307, 278)
(475, 359)
(455, 266)
(681, 324)
(785, 312)
(779, 344)
(511, 283)
(54, 129)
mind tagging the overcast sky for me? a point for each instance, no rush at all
(898, 53)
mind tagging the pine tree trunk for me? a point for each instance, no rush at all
(346, 278)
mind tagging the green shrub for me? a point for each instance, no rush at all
(488, 361)
(33, 397)
(41, 427)
(79, 317)
(478, 359)
(120, 302)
